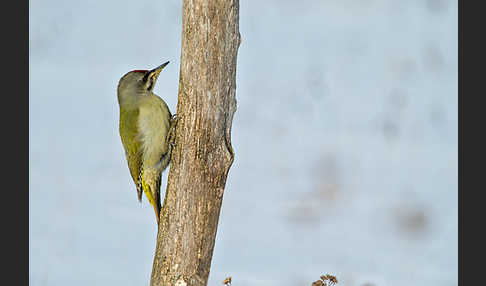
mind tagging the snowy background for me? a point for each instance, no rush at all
(345, 138)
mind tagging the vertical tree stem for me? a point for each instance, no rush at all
(203, 153)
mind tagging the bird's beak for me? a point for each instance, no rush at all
(154, 74)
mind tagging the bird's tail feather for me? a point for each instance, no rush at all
(153, 197)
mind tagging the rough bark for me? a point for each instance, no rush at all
(203, 153)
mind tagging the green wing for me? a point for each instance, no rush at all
(132, 145)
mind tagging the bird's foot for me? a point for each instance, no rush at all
(172, 130)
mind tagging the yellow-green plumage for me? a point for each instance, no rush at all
(145, 123)
(128, 134)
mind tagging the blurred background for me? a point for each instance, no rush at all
(345, 138)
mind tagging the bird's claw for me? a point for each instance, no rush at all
(171, 136)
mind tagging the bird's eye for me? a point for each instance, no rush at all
(146, 76)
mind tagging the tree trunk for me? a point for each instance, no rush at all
(203, 153)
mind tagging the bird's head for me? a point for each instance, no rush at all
(139, 81)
